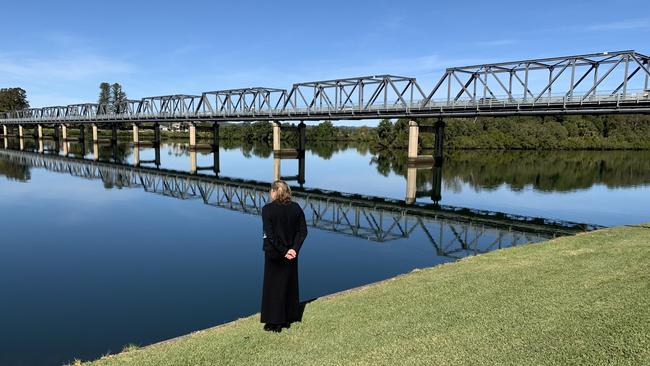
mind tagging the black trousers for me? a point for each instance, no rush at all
(280, 298)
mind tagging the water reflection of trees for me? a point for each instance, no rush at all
(16, 172)
(545, 171)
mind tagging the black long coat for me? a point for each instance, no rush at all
(284, 228)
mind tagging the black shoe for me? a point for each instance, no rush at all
(272, 328)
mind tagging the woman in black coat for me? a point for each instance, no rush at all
(284, 232)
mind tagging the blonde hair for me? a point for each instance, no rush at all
(282, 191)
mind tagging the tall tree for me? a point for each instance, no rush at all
(118, 96)
(105, 97)
(13, 99)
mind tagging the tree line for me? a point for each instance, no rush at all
(519, 133)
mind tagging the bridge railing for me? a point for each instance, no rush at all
(87, 112)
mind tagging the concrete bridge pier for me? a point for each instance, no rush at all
(302, 137)
(413, 146)
(156, 134)
(95, 129)
(192, 136)
(64, 132)
(6, 141)
(82, 133)
(21, 132)
(39, 131)
(276, 136)
(21, 141)
(41, 146)
(66, 147)
(114, 134)
(216, 167)
(215, 135)
(95, 151)
(4, 130)
(439, 128)
(136, 135)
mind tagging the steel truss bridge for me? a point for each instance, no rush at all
(452, 231)
(598, 83)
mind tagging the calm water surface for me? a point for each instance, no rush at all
(93, 258)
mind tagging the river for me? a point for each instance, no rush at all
(110, 247)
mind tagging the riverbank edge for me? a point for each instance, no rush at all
(106, 360)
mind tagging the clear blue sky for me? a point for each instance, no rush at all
(59, 51)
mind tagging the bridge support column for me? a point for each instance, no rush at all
(21, 132)
(114, 133)
(413, 156)
(21, 143)
(414, 131)
(64, 132)
(95, 133)
(192, 136)
(215, 148)
(39, 130)
(276, 136)
(4, 130)
(156, 134)
(215, 135)
(439, 127)
(136, 134)
(302, 140)
(6, 142)
(41, 146)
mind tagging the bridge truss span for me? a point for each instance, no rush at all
(597, 83)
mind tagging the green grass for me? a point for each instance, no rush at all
(582, 300)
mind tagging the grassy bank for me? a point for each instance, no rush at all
(574, 300)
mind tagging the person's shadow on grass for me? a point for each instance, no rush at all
(301, 309)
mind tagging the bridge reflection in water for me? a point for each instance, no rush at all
(452, 231)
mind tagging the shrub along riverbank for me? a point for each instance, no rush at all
(574, 300)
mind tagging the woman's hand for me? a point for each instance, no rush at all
(291, 254)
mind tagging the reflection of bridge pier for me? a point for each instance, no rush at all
(194, 167)
(436, 182)
(289, 154)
